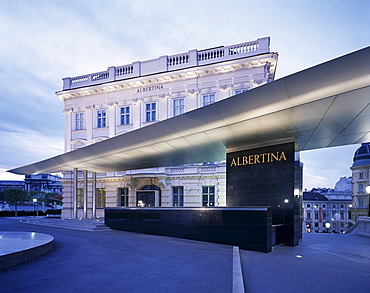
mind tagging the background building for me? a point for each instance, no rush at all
(104, 104)
(324, 207)
(360, 174)
(41, 182)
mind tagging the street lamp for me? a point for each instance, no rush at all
(327, 226)
(34, 206)
(368, 193)
(37, 208)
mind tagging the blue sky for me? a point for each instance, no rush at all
(43, 41)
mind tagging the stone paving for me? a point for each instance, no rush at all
(118, 261)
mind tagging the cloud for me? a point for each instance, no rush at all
(44, 41)
(21, 148)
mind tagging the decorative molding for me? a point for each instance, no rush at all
(192, 92)
(136, 101)
(164, 96)
(259, 81)
(224, 87)
(67, 111)
(112, 104)
(90, 107)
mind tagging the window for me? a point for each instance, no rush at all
(101, 116)
(208, 196)
(208, 99)
(79, 121)
(150, 112)
(361, 175)
(125, 115)
(360, 202)
(178, 106)
(178, 196)
(316, 215)
(240, 91)
(308, 216)
(360, 188)
(342, 216)
(324, 216)
(80, 197)
(123, 196)
(308, 205)
(100, 197)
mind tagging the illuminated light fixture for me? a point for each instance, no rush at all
(286, 200)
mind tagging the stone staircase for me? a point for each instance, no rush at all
(76, 224)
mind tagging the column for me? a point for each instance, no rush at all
(74, 193)
(94, 194)
(85, 193)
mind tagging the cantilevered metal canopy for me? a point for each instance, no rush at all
(323, 106)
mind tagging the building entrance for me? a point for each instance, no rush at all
(149, 196)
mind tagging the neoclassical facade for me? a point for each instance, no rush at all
(360, 174)
(102, 105)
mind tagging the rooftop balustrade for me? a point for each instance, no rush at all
(189, 59)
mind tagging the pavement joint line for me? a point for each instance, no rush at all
(238, 281)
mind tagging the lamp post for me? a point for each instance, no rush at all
(34, 206)
(368, 193)
(37, 208)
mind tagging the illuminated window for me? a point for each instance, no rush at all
(123, 196)
(178, 196)
(150, 112)
(79, 121)
(100, 197)
(80, 197)
(178, 106)
(101, 116)
(208, 99)
(125, 115)
(208, 196)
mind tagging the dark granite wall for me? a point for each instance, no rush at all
(248, 228)
(267, 176)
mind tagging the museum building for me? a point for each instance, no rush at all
(101, 105)
(361, 182)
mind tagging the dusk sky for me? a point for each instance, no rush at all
(43, 41)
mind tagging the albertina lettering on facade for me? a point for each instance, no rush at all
(150, 88)
(258, 159)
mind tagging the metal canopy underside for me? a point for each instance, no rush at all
(323, 106)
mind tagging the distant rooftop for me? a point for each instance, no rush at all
(185, 60)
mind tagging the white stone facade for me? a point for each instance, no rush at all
(360, 198)
(105, 104)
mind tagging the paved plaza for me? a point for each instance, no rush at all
(117, 261)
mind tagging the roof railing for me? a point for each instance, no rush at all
(170, 63)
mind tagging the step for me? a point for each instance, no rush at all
(88, 225)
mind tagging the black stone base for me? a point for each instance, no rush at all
(249, 228)
(268, 176)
